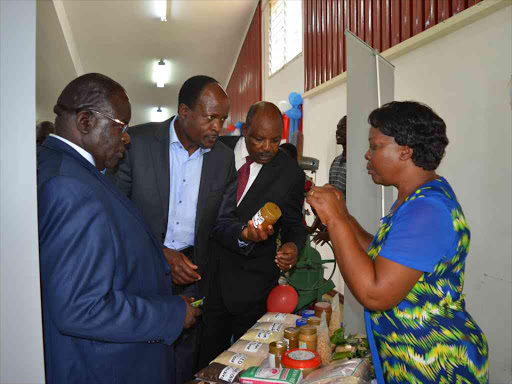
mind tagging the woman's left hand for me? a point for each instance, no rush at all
(328, 203)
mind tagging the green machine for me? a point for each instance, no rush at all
(307, 277)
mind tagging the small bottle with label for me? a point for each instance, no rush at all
(276, 351)
(323, 306)
(313, 320)
(307, 337)
(267, 215)
(291, 336)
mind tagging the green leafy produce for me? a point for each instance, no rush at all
(338, 337)
(357, 346)
(341, 355)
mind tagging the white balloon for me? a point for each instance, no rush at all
(284, 105)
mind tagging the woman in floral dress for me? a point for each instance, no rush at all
(410, 275)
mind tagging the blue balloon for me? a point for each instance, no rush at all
(238, 125)
(294, 113)
(295, 99)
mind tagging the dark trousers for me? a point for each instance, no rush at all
(186, 347)
(220, 326)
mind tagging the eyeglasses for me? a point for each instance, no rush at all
(124, 126)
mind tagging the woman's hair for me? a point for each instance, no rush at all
(415, 125)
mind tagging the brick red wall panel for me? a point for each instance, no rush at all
(380, 23)
(244, 87)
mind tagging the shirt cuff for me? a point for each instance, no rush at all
(242, 243)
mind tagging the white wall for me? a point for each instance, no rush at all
(277, 88)
(21, 350)
(464, 76)
(54, 66)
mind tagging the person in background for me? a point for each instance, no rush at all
(338, 169)
(184, 183)
(109, 314)
(337, 178)
(409, 276)
(243, 281)
(43, 130)
(290, 150)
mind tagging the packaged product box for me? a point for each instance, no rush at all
(261, 375)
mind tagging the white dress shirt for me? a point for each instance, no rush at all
(86, 155)
(240, 158)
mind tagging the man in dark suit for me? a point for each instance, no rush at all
(241, 283)
(184, 182)
(109, 315)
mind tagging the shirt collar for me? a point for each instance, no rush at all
(173, 138)
(241, 150)
(86, 155)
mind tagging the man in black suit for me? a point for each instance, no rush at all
(184, 183)
(241, 283)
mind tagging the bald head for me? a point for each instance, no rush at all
(92, 112)
(263, 131)
(92, 91)
(270, 110)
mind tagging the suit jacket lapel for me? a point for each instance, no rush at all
(63, 147)
(160, 155)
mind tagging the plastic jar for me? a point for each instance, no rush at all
(291, 336)
(304, 359)
(323, 306)
(307, 337)
(276, 351)
(308, 313)
(267, 215)
(301, 322)
(314, 321)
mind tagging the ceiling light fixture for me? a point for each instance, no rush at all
(158, 114)
(160, 74)
(161, 9)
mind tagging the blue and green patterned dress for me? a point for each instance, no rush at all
(428, 337)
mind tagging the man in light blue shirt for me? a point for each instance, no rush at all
(184, 182)
(186, 176)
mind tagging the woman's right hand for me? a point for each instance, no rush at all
(328, 203)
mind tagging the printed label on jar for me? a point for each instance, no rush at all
(229, 373)
(272, 361)
(301, 355)
(303, 345)
(276, 327)
(287, 343)
(253, 346)
(238, 358)
(279, 317)
(264, 335)
(257, 219)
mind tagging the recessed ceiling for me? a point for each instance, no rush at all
(123, 40)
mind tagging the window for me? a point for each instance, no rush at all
(285, 33)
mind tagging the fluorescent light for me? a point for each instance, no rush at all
(161, 73)
(161, 9)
